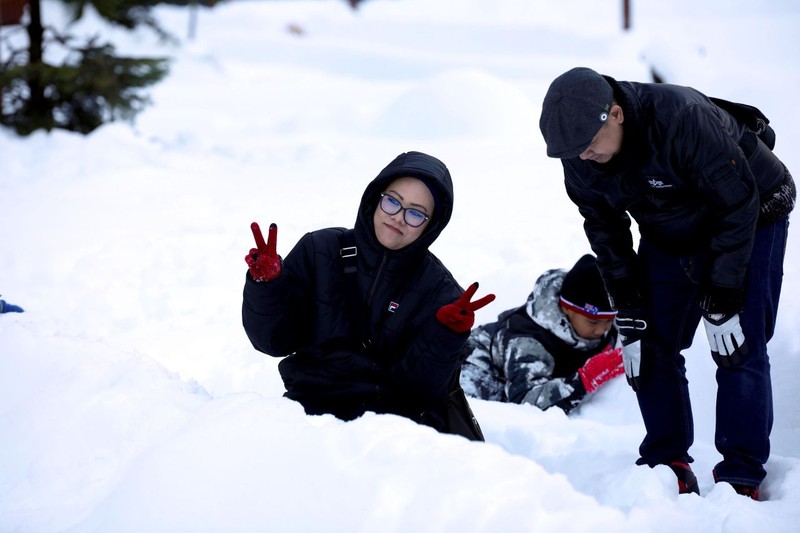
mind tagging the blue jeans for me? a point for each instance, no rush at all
(744, 393)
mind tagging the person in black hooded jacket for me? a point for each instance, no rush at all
(367, 319)
(712, 202)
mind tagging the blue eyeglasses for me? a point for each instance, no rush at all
(391, 206)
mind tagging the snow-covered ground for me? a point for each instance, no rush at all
(130, 398)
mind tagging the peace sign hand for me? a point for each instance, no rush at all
(459, 316)
(264, 262)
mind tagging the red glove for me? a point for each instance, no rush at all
(600, 368)
(265, 265)
(460, 315)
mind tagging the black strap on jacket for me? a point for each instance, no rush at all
(348, 252)
(750, 116)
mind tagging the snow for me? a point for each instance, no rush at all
(130, 398)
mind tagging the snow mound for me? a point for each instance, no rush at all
(462, 103)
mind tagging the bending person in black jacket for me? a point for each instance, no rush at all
(711, 202)
(367, 319)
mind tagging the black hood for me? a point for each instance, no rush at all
(409, 164)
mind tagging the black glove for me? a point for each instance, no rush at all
(721, 308)
(624, 293)
(723, 300)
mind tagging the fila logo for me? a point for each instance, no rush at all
(658, 184)
(393, 307)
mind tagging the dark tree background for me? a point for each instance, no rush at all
(92, 85)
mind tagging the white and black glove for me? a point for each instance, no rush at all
(631, 323)
(726, 340)
(631, 327)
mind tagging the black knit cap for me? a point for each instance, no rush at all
(583, 290)
(574, 109)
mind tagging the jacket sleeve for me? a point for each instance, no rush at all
(715, 162)
(566, 393)
(607, 227)
(273, 311)
(529, 367)
(480, 376)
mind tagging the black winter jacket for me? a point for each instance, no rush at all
(690, 174)
(411, 361)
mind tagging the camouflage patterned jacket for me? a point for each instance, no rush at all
(531, 354)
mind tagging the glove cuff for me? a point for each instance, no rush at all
(624, 293)
(721, 300)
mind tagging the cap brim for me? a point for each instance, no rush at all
(568, 154)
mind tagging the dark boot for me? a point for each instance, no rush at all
(744, 490)
(687, 481)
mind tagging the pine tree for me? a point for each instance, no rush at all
(92, 85)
